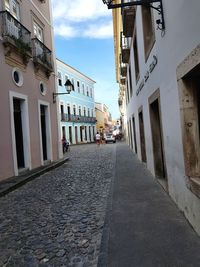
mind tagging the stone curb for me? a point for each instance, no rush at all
(15, 182)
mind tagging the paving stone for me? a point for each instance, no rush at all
(57, 218)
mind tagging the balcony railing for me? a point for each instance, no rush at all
(76, 118)
(120, 102)
(125, 49)
(123, 67)
(41, 55)
(123, 81)
(128, 17)
(15, 34)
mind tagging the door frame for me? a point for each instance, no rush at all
(48, 131)
(156, 96)
(143, 150)
(25, 130)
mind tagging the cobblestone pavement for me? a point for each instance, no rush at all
(57, 219)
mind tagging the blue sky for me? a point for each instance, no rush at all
(84, 40)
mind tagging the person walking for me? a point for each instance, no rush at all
(98, 138)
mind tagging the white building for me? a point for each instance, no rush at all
(160, 87)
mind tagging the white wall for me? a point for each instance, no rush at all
(181, 37)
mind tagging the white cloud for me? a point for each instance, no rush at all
(99, 31)
(79, 10)
(65, 31)
(82, 18)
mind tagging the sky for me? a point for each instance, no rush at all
(84, 40)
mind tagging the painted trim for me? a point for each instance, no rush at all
(48, 131)
(25, 129)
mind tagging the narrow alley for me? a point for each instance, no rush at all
(101, 208)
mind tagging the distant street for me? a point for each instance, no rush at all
(57, 219)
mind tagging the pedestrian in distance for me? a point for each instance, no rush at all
(98, 139)
(65, 144)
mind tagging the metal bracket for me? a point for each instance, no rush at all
(55, 95)
(160, 22)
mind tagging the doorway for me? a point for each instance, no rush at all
(134, 134)
(142, 136)
(76, 134)
(17, 113)
(69, 112)
(62, 112)
(131, 134)
(70, 134)
(157, 139)
(63, 132)
(85, 133)
(43, 131)
(81, 133)
(90, 133)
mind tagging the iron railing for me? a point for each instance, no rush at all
(14, 33)
(77, 118)
(125, 49)
(41, 54)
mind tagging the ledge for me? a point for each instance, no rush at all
(195, 186)
(12, 183)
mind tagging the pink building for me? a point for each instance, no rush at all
(28, 117)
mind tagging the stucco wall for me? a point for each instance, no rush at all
(30, 89)
(181, 37)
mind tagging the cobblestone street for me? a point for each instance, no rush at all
(57, 219)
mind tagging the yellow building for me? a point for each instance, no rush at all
(100, 120)
(103, 117)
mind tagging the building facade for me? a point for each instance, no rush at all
(77, 109)
(104, 118)
(29, 135)
(158, 70)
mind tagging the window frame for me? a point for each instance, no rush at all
(145, 25)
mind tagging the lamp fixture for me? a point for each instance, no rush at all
(68, 86)
(160, 22)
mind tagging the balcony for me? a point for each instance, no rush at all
(123, 81)
(120, 102)
(42, 57)
(16, 38)
(125, 49)
(123, 67)
(76, 118)
(128, 17)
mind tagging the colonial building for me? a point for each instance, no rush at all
(29, 135)
(77, 109)
(104, 118)
(157, 57)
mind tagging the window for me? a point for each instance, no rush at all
(88, 112)
(66, 77)
(78, 86)
(148, 30)
(91, 92)
(38, 31)
(13, 7)
(73, 88)
(84, 111)
(130, 81)
(189, 84)
(83, 88)
(92, 115)
(68, 109)
(74, 109)
(17, 77)
(127, 92)
(79, 110)
(59, 79)
(135, 52)
(87, 91)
